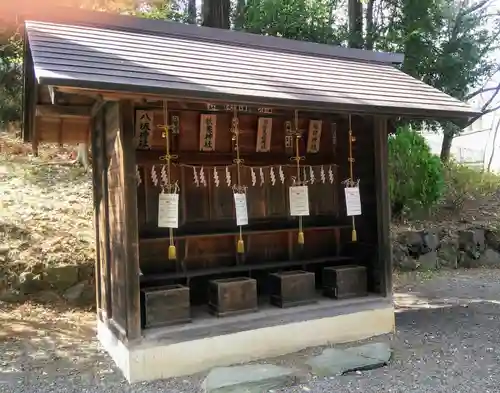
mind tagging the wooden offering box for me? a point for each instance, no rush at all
(342, 282)
(166, 305)
(293, 288)
(230, 296)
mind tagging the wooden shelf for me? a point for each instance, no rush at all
(246, 232)
(239, 268)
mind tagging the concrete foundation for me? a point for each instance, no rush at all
(211, 342)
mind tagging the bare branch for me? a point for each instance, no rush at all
(475, 7)
(480, 91)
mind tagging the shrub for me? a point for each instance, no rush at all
(464, 183)
(415, 174)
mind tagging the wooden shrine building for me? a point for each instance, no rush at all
(240, 183)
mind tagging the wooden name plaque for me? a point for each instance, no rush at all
(166, 305)
(293, 288)
(341, 282)
(231, 296)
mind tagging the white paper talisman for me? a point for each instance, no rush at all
(352, 201)
(168, 210)
(240, 206)
(299, 200)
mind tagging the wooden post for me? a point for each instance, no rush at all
(131, 250)
(95, 131)
(383, 205)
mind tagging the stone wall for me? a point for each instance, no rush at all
(70, 283)
(437, 248)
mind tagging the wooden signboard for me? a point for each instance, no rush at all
(208, 127)
(264, 130)
(144, 125)
(314, 136)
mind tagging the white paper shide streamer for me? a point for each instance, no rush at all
(253, 176)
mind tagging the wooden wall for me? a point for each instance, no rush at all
(206, 237)
(116, 221)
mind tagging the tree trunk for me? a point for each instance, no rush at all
(493, 146)
(355, 13)
(239, 16)
(370, 26)
(191, 12)
(446, 145)
(216, 13)
(82, 157)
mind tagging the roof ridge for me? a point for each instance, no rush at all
(96, 19)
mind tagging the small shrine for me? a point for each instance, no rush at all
(240, 183)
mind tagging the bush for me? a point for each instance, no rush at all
(415, 174)
(464, 183)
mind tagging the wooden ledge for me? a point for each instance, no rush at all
(150, 278)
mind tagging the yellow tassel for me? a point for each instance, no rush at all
(354, 235)
(172, 252)
(300, 239)
(240, 246)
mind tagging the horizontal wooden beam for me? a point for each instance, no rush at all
(63, 111)
(152, 157)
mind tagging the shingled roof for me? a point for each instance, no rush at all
(137, 55)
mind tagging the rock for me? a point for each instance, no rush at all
(86, 273)
(490, 258)
(47, 297)
(255, 378)
(61, 277)
(472, 242)
(4, 283)
(448, 255)
(12, 296)
(75, 292)
(4, 250)
(428, 261)
(334, 362)
(492, 240)
(408, 264)
(28, 283)
(421, 242)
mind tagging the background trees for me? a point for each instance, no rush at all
(449, 44)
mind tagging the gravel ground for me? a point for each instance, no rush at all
(447, 341)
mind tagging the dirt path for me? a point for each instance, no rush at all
(447, 340)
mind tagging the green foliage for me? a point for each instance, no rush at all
(10, 79)
(464, 183)
(415, 174)
(304, 20)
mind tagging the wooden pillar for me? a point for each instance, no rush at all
(131, 235)
(384, 259)
(97, 193)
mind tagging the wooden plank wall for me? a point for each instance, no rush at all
(122, 219)
(117, 219)
(208, 210)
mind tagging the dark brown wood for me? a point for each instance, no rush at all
(241, 268)
(342, 282)
(62, 111)
(104, 240)
(97, 195)
(232, 296)
(166, 305)
(131, 236)
(384, 256)
(292, 288)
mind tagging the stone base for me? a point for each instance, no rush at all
(203, 345)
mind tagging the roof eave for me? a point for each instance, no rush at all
(457, 116)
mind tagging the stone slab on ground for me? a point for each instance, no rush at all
(334, 362)
(255, 378)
